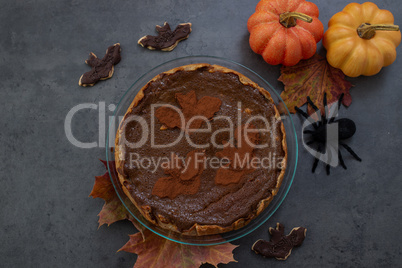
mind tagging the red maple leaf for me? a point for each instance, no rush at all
(206, 107)
(313, 78)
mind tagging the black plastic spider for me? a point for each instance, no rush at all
(346, 129)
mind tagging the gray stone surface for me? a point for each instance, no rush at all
(353, 216)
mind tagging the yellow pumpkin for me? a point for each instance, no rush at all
(361, 39)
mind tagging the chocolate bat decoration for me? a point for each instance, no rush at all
(280, 246)
(101, 68)
(166, 40)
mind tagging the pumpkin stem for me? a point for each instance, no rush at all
(367, 30)
(288, 19)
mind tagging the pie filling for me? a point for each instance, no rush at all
(221, 186)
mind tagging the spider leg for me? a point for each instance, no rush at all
(310, 142)
(340, 100)
(316, 159)
(327, 168)
(300, 111)
(309, 101)
(305, 115)
(341, 159)
(312, 104)
(339, 106)
(323, 116)
(351, 151)
(314, 165)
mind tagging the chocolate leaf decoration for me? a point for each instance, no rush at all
(183, 179)
(155, 251)
(313, 77)
(280, 246)
(101, 68)
(237, 154)
(206, 107)
(166, 39)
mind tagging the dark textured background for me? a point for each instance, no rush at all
(353, 216)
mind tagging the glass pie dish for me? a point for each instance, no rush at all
(291, 140)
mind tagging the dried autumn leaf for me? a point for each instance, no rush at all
(113, 210)
(313, 77)
(155, 251)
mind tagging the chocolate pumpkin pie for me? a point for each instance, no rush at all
(201, 150)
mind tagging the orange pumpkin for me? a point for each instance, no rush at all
(286, 31)
(361, 39)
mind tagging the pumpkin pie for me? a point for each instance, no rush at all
(201, 150)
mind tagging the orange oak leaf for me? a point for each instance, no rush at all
(113, 210)
(155, 251)
(184, 176)
(205, 107)
(313, 78)
(239, 156)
